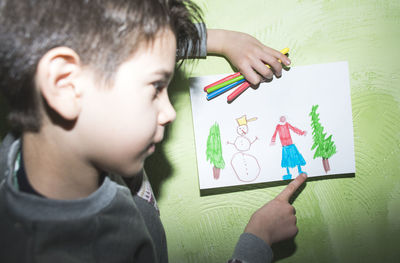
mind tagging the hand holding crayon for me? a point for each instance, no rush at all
(247, 54)
(216, 88)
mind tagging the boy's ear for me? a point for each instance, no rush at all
(57, 77)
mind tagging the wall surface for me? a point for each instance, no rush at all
(347, 219)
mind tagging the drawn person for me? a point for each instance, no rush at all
(291, 157)
(245, 166)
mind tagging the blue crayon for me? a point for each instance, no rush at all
(223, 89)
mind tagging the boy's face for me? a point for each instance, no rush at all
(120, 125)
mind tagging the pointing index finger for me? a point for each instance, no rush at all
(291, 188)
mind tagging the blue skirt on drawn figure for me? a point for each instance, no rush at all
(291, 158)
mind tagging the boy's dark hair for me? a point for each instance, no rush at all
(104, 33)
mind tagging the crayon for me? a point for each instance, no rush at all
(222, 90)
(238, 91)
(284, 52)
(222, 80)
(226, 83)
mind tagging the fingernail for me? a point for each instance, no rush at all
(287, 62)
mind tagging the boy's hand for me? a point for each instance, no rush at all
(276, 220)
(247, 54)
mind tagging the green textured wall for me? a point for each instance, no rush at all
(353, 219)
(348, 219)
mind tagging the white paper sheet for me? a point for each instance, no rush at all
(249, 157)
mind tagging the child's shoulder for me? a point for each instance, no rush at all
(9, 144)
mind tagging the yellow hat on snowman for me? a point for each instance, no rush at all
(243, 120)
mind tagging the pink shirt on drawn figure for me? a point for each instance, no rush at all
(284, 132)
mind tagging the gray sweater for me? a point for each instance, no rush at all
(108, 226)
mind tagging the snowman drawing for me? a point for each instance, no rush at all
(245, 166)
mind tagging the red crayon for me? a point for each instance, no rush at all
(222, 80)
(238, 91)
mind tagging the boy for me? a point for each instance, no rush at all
(86, 83)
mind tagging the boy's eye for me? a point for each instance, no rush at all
(159, 86)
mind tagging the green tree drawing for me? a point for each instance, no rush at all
(214, 150)
(323, 145)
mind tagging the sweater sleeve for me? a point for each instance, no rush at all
(202, 52)
(296, 130)
(251, 249)
(273, 139)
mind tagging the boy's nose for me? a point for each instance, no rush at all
(168, 113)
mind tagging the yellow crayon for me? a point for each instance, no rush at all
(284, 52)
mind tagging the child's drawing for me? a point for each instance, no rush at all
(291, 157)
(244, 165)
(214, 150)
(324, 147)
(293, 95)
